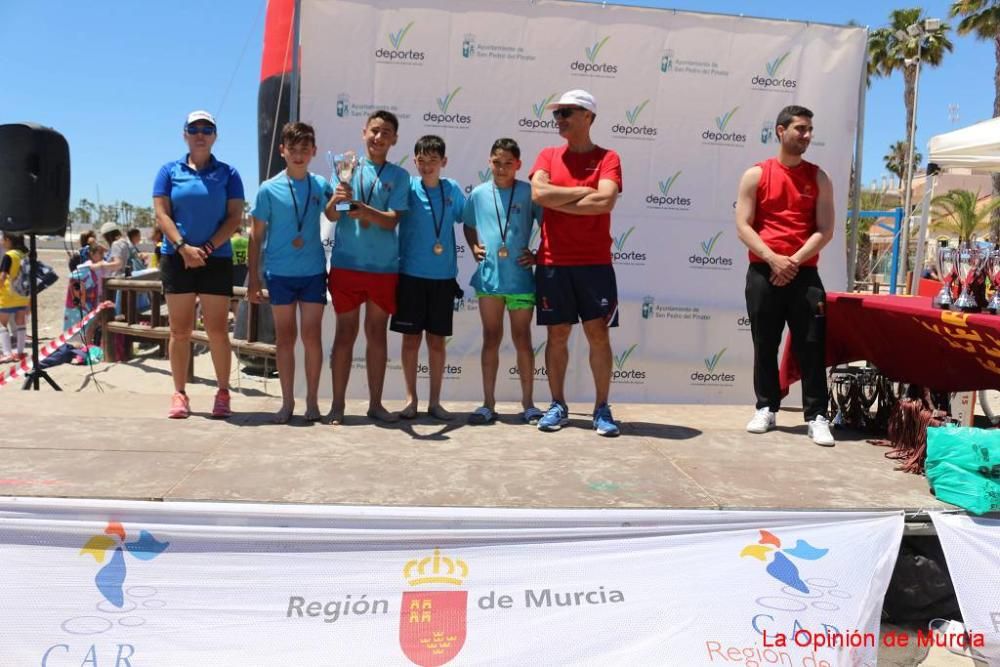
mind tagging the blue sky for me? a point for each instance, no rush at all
(117, 78)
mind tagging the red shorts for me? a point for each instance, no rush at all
(349, 289)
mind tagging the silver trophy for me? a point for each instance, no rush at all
(993, 271)
(944, 261)
(971, 267)
(343, 165)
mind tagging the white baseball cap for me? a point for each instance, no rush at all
(199, 115)
(575, 98)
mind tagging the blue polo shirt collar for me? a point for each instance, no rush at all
(212, 164)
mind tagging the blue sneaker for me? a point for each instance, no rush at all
(554, 418)
(604, 423)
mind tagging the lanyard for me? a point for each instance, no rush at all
(371, 190)
(300, 219)
(437, 225)
(510, 206)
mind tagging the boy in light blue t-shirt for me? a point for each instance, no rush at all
(286, 219)
(499, 217)
(428, 267)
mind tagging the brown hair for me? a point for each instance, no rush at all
(298, 133)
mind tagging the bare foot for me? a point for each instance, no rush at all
(438, 412)
(312, 413)
(335, 415)
(284, 414)
(381, 414)
(409, 412)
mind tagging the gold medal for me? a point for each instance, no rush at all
(438, 248)
(502, 252)
(297, 242)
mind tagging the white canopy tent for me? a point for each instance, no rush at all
(976, 148)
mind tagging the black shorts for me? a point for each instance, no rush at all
(240, 275)
(424, 304)
(571, 294)
(216, 277)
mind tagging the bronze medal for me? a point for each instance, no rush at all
(297, 242)
(502, 252)
(438, 248)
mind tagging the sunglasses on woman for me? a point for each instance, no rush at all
(565, 112)
(207, 130)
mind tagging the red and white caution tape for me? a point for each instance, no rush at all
(12, 373)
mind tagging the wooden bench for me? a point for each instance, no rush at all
(129, 327)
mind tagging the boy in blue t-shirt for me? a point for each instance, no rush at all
(428, 267)
(499, 217)
(286, 225)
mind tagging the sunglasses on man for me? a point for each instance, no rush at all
(565, 112)
(193, 130)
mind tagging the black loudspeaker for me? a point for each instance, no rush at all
(34, 179)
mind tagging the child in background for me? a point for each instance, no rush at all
(13, 306)
(499, 217)
(428, 267)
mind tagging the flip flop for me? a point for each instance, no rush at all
(482, 415)
(532, 415)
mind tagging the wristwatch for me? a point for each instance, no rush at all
(180, 244)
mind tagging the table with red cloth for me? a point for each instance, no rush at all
(910, 341)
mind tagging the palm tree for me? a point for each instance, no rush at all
(959, 211)
(982, 18)
(887, 53)
(895, 160)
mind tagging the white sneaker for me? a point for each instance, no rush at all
(819, 431)
(762, 422)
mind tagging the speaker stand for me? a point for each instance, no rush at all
(36, 373)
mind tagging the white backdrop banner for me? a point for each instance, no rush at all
(687, 100)
(128, 583)
(972, 547)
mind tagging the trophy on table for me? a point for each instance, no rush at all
(993, 271)
(343, 165)
(944, 261)
(969, 260)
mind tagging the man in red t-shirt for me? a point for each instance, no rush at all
(578, 185)
(784, 215)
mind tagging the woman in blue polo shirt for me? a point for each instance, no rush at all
(199, 204)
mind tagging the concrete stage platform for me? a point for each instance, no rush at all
(85, 444)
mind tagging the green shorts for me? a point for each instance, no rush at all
(513, 301)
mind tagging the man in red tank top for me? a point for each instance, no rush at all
(578, 185)
(784, 215)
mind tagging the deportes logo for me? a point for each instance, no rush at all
(397, 54)
(711, 376)
(540, 371)
(709, 259)
(772, 80)
(667, 198)
(619, 253)
(432, 624)
(722, 135)
(539, 121)
(444, 117)
(592, 65)
(622, 373)
(632, 129)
